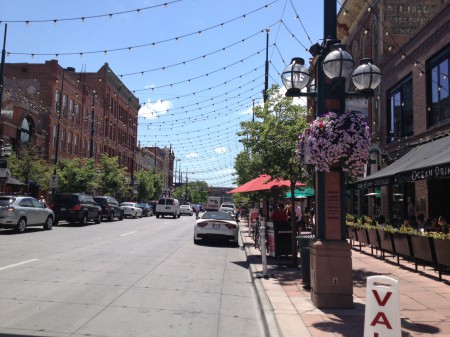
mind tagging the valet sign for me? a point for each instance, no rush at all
(382, 316)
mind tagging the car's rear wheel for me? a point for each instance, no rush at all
(111, 216)
(174, 215)
(98, 219)
(21, 225)
(157, 215)
(135, 215)
(121, 216)
(84, 220)
(48, 223)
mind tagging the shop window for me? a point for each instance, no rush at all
(25, 131)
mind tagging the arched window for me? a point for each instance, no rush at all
(25, 131)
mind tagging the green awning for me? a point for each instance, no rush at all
(306, 192)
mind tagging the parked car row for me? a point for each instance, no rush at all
(20, 212)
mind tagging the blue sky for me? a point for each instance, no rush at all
(195, 65)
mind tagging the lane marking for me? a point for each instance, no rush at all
(129, 233)
(18, 264)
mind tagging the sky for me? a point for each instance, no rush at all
(196, 66)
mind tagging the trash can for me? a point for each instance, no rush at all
(303, 244)
(283, 238)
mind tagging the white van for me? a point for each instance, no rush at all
(168, 206)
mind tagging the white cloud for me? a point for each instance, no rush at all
(152, 110)
(221, 149)
(192, 155)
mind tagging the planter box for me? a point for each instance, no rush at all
(361, 235)
(442, 249)
(423, 248)
(402, 244)
(373, 238)
(351, 233)
(385, 239)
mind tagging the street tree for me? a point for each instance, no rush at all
(272, 138)
(147, 183)
(77, 175)
(111, 177)
(27, 165)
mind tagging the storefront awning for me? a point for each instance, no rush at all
(426, 161)
(300, 193)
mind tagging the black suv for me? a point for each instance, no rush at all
(76, 207)
(110, 207)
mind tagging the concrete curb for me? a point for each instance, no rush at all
(267, 313)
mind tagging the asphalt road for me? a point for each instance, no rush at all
(136, 277)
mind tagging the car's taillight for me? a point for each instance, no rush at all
(51, 206)
(10, 209)
(75, 207)
(202, 224)
(230, 226)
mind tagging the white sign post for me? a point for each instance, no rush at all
(382, 316)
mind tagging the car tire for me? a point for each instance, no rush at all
(21, 225)
(111, 216)
(121, 216)
(174, 215)
(135, 215)
(84, 220)
(98, 219)
(196, 242)
(157, 216)
(48, 223)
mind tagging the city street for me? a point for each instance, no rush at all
(137, 277)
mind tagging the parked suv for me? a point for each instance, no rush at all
(110, 207)
(76, 207)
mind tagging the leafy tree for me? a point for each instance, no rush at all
(272, 138)
(77, 175)
(112, 177)
(28, 165)
(147, 185)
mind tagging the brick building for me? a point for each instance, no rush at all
(98, 115)
(410, 117)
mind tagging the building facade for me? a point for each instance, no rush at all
(96, 113)
(410, 42)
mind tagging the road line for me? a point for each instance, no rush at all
(18, 264)
(129, 233)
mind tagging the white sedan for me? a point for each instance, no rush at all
(216, 225)
(131, 209)
(186, 209)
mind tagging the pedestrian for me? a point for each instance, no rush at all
(197, 211)
(299, 215)
(443, 225)
(43, 201)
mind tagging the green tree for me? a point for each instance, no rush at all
(77, 175)
(272, 138)
(147, 185)
(28, 165)
(112, 177)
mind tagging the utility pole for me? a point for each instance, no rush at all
(91, 142)
(59, 112)
(266, 76)
(2, 69)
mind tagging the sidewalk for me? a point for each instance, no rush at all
(289, 311)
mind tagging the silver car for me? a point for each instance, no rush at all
(216, 225)
(131, 209)
(20, 212)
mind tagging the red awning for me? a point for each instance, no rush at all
(262, 183)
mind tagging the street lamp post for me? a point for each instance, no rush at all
(331, 264)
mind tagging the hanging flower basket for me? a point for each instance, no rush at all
(336, 140)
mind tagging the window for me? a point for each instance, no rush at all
(71, 109)
(69, 142)
(25, 131)
(63, 140)
(75, 144)
(55, 135)
(77, 113)
(57, 101)
(438, 98)
(400, 105)
(64, 105)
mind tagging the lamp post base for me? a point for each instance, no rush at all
(331, 275)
